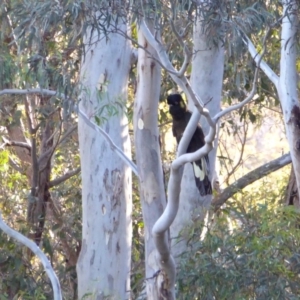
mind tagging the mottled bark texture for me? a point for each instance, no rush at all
(103, 266)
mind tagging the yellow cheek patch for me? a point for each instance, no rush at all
(182, 105)
(200, 173)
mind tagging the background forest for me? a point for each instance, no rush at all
(87, 152)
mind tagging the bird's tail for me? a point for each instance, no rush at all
(201, 173)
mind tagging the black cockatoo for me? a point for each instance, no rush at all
(181, 117)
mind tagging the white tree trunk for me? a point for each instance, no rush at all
(103, 267)
(148, 157)
(287, 84)
(206, 81)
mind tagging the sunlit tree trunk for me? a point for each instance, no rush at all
(287, 84)
(104, 263)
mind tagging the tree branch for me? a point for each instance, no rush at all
(258, 59)
(63, 178)
(182, 81)
(46, 156)
(116, 149)
(28, 91)
(39, 253)
(34, 158)
(15, 143)
(67, 134)
(15, 166)
(59, 141)
(187, 53)
(113, 146)
(241, 104)
(249, 178)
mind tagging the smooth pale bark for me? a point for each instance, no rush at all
(167, 218)
(287, 84)
(148, 158)
(103, 267)
(206, 81)
(163, 224)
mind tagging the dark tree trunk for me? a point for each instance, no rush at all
(292, 194)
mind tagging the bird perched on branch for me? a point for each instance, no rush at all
(181, 117)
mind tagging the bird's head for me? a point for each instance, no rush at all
(177, 107)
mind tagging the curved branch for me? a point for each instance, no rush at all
(241, 104)
(249, 178)
(38, 252)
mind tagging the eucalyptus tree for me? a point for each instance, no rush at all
(36, 129)
(216, 22)
(287, 82)
(104, 264)
(148, 157)
(209, 36)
